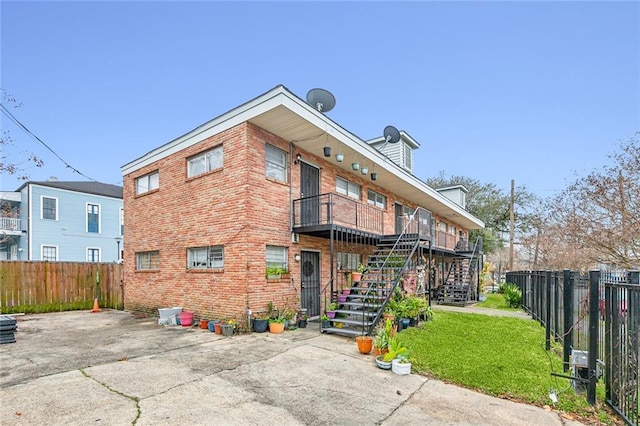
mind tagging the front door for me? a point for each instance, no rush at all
(399, 213)
(310, 281)
(310, 187)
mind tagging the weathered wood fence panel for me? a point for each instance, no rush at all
(59, 286)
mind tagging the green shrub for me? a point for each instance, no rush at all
(512, 295)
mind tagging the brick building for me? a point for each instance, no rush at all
(207, 213)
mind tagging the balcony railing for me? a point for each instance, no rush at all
(10, 225)
(336, 209)
(421, 226)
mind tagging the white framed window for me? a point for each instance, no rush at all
(348, 188)
(49, 209)
(147, 183)
(348, 261)
(452, 230)
(49, 253)
(211, 257)
(275, 163)
(148, 260)
(442, 226)
(205, 162)
(277, 256)
(93, 254)
(93, 218)
(375, 199)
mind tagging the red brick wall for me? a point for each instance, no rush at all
(237, 207)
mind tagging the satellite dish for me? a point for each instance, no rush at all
(321, 99)
(391, 135)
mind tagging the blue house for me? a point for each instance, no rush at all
(62, 221)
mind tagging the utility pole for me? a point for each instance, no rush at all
(511, 226)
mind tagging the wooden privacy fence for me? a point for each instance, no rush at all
(59, 286)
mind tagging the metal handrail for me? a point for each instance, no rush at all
(398, 275)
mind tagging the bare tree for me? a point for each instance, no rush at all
(598, 216)
(14, 166)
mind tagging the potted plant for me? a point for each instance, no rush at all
(276, 325)
(381, 340)
(274, 272)
(302, 321)
(260, 323)
(401, 365)
(331, 310)
(365, 343)
(356, 275)
(396, 349)
(325, 321)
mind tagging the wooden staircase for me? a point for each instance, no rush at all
(364, 304)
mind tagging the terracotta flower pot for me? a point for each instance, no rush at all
(378, 351)
(365, 343)
(276, 327)
(204, 324)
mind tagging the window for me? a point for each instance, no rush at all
(121, 221)
(375, 199)
(205, 257)
(49, 208)
(50, 253)
(276, 163)
(452, 230)
(442, 226)
(347, 188)
(408, 157)
(148, 260)
(93, 218)
(93, 255)
(277, 256)
(348, 261)
(147, 183)
(205, 162)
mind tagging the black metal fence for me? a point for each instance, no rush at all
(596, 317)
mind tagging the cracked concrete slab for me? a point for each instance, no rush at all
(114, 368)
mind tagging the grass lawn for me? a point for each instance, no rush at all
(496, 301)
(499, 356)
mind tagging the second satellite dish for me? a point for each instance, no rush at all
(321, 99)
(391, 135)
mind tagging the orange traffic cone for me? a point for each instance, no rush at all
(96, 308)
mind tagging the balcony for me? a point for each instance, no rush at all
(10, 226)
(322, 212)
(318, 214)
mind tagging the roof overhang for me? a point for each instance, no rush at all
(282, 113)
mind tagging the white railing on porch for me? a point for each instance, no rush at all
(9, 224)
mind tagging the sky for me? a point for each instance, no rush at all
(535, 92)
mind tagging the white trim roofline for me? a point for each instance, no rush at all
(281, 96)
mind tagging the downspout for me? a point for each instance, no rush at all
(291, 187)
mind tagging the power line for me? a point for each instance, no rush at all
(30, 133)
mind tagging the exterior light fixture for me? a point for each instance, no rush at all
(297, 160)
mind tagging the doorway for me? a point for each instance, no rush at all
(310, 282)
(309, 191)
